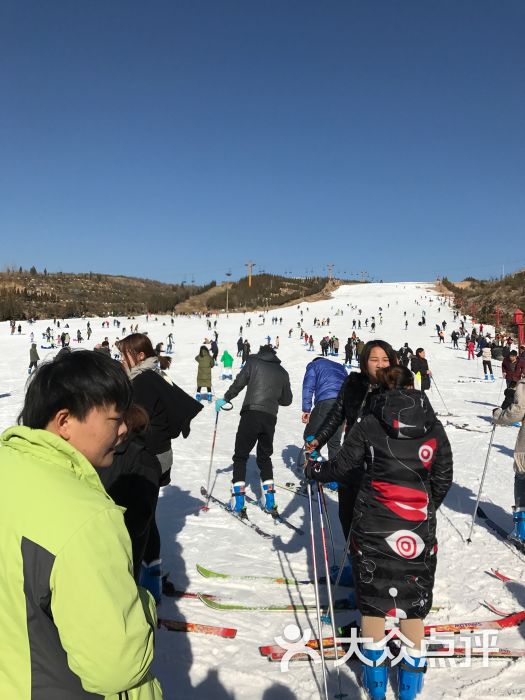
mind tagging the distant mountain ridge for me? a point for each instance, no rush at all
(26, 294)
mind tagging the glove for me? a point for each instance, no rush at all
(312, 468)
(219, 404)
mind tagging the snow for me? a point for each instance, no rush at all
(200, 667)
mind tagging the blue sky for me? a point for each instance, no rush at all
(180, 139)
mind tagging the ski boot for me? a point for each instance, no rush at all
(237, 502)
(492, 378)
(519, 524)
(486, 377)
(209, 397)
(410, 675)
(198, 396)
(375, 675)
(269, 496)
(150, 578)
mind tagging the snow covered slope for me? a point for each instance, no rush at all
(202, 667)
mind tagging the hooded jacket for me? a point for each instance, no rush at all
(267, 382)
(74, 624)
(408, 471)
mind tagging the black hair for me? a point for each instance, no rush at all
(397, 377)
(419, 350)
(77, 381)
(367, 350)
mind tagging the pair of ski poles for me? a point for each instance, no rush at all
(323, 512)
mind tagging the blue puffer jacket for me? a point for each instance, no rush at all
(324, 379)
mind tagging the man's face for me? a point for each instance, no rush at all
(97, 435)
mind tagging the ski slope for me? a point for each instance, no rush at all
(202, 667)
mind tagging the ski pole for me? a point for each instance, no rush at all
(321, 501)
(316, 587)
(330, 531)
(343, 560)
(206, 507)
(442, 399)
(469, 540)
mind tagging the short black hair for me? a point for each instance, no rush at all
(77, 381)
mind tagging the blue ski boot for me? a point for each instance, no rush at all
(519, 524)
(492, 378)
(150, 578)
(209, 397)
(237, 502)
(198, 396)
(410, 675)
(486, 377)
(269, 495)
(375, 675)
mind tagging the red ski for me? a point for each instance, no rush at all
(501, 577)
(512, 620)
(181, 626)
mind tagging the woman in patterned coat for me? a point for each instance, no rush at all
(408, 471)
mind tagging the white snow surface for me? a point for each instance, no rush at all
(201, 667)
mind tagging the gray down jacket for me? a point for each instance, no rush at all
(268, 384)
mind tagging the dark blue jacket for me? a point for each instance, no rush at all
(323, 378)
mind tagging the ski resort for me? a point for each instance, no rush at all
(239, 588)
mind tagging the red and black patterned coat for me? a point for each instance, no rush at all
(408, 471)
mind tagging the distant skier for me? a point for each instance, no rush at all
(267, 387)
(405, 355)
(33, 358)
(239, 346)
(227, 362)
(419, 366)
(206, 362)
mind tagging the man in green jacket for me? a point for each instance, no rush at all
(74, 623)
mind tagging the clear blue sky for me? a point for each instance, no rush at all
(179, 138)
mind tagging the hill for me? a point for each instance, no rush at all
(266, 291)
(29, 294)
(480, 298)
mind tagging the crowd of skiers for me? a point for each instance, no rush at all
(84, 410)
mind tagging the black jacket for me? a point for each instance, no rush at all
(170, 410)
(408, 471)
(350, 403)
(419, 364)
(132, 481)
(268, 384)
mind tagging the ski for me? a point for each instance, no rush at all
(464, 426)
(181, 626)
(241, 518)
(278, 518)
(501, 577)
(208, 573)
(436, 651)
(217, 604)
(299, 491)
(499, 530)
(512, 620)
(497, 611)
